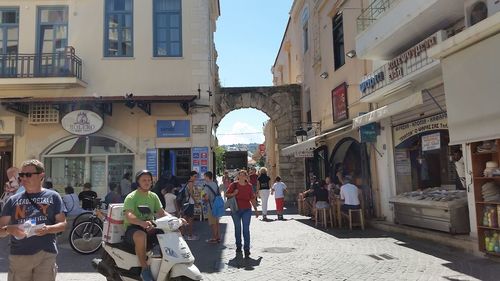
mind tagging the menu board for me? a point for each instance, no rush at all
(200, 160)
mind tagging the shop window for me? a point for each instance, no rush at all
(420, 165)
(95, 159)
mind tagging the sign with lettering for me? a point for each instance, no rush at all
(173, 128)
(304, 154)
(82, 122)
(402, 65)
(405, 131)
(339, 103)
(368, 132)
(200, 161)
(152, 161)
(431, 142)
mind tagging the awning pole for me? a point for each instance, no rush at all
(433, 99)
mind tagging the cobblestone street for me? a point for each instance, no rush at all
(296, 250)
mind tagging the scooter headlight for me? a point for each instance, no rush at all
(171, 252)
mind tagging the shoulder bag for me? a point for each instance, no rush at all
(231, 202)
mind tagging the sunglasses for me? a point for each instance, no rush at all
(28, 175)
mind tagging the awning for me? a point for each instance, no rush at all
(303, 149)
(388, 110)
(340, 152)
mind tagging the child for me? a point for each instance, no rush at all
(279, 188)
(170, 202)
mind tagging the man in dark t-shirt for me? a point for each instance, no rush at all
(87, 196)
(32, 218)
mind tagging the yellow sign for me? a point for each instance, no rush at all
(405, 131)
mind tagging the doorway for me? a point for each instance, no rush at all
(177, 161)
(6, 148)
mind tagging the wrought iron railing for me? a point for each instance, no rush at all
(392, 72)
(373, 12)
(60, 64)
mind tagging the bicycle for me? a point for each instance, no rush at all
(86, 236)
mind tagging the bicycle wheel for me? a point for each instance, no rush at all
(81, 218)
(86, 237)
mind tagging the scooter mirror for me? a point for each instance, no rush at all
(144, 209)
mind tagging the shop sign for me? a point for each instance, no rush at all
(173, 128)
(200, 160)
(152, 161)
(404, 64)
(82, 122)
(199, 129)
(431, 142)
(405, 131)
(368, 132)
(339, 103)
(304, 154)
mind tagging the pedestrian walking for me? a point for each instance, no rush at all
(263, 187)
(211, 190)
(33, 218)
(279, 189)
(186, 202)
(245, 199)
(125, 185)
(226, 180)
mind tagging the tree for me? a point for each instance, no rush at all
(219, 159)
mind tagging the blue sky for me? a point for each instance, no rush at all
(247, 39)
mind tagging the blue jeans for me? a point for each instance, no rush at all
(242, 216)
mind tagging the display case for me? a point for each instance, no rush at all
(486, 184)
(434, 208)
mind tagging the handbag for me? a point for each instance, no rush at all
(231, 202)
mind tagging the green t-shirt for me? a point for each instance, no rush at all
(135, 199)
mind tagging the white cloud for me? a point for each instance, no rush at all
(240, 132)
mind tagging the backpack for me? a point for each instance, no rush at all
(217, 206)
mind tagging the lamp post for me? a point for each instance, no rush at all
(301, 135)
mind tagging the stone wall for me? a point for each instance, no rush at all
(282, 105)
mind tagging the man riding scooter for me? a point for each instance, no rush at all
(139, 226)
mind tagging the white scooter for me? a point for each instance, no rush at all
(176, 262)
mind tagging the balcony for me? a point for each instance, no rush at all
(387, 27)
(46, 71)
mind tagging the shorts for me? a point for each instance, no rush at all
(280, 202)
(345, 208)
(188, 211)
(211, 219)
(151, 235)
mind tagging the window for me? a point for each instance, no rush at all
(305, 37)
(79, 159)
(9, 41)
(167, 28)
(118, 30)
(338, 42)
(9, 31)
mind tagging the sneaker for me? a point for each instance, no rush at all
(147, 275)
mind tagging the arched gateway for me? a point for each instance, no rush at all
(282, 105)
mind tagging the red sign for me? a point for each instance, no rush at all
(262, 147)
(196, 162)
(339, 103)
(204, 162)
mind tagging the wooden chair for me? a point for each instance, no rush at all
(324, 212)
(360, 212)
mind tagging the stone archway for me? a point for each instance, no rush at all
(282, 105)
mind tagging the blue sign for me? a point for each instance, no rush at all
(173, 128)
(152, 161)
(369, 132)
(200, 160)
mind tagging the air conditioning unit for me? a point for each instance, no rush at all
(478, 10)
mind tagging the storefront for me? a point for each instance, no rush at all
(99, 143)
(474, 114)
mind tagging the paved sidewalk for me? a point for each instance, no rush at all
(296, 250)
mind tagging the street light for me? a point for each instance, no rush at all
(301, 135)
